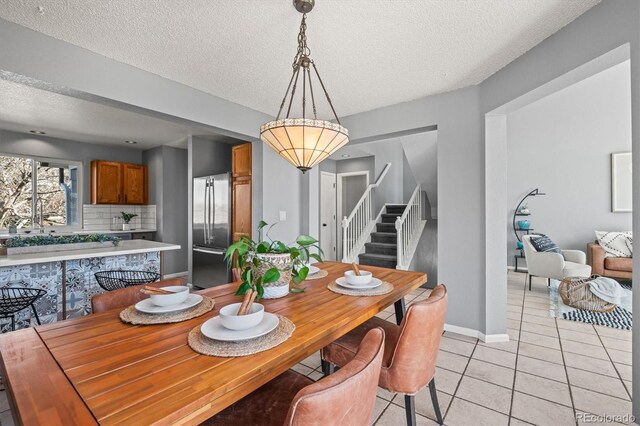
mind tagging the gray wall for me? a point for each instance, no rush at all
(460, 195)
(603, 28)
(328, 166)
(425, 258)
(71, 68)
(571, 135)
(43, 146)
(168, 188)
(606, 26)
(408, 180)
(478, 295)
(362, 164)
(282, 191)
(354, 186)
(352, 189)
(210, 157)
(383, 151)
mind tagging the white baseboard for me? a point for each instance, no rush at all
(487, 338)
(176, 275)
(520, 268)
(495, 338)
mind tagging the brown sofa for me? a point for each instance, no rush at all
(612, 267)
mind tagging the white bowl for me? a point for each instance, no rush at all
(364, 278)
(180, 294)
(231, 320)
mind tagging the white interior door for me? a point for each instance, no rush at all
(328, 223)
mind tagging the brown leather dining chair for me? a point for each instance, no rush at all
(410, 351)
(126, 296)
(345, 398)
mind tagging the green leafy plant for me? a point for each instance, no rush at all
(244, 255)
(127, 216)
(47, 240)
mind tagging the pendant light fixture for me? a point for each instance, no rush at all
(304, 141)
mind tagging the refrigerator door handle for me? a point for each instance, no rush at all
(212, 210)
(209, 251)
(205, 229)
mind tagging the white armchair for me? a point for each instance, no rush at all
(571, 263)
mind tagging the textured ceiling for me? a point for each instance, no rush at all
(24, 108)
(370, 53)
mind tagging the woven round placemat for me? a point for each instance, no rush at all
(320, 274)
(384, 288)
(205, 346)
(132, 316)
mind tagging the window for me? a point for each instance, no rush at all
(28, 183)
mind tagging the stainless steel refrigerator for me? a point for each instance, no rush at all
(211, 229)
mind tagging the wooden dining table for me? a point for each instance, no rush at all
(99, 370)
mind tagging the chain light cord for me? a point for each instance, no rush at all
(302, 60)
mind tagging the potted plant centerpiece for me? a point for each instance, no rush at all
(126, 218)
(268, 266)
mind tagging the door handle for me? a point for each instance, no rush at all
(209, 251)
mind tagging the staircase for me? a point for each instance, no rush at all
(383, 248)
(390, 239)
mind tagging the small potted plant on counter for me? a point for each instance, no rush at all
(12, 225)
(268, 266)
(126, 218)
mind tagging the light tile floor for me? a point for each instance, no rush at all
(550, 373)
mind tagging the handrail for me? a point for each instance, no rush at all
(383, 174)
(408, 227)
(358, 225)
(369, 188)
(409, 203)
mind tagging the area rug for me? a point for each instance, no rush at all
(621, 318)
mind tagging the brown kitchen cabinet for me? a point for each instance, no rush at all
(241, 191)
(135, 183)
(241, 160)
(118, 183)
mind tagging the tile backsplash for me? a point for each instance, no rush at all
(98, 216)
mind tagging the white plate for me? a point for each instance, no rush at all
(149, 308)
(214, 329)
(313, 270)
(375, 282)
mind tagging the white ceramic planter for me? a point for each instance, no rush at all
(126, 227)
(283, 262)
(275, 292)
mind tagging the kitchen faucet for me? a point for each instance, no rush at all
(39, 201)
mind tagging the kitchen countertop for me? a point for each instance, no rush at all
(80, 232)
(111, 231)
(123, 248)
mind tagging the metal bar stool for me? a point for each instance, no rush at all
(115, 280)
(13, 300)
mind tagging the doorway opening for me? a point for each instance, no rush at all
(559, 138)
(350, 188)
(328, 220)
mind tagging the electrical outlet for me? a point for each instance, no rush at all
(283, 215)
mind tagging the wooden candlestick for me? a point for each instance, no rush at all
(355, 268)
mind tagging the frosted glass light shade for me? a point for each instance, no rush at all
(304, 142)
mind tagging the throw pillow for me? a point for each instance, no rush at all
(616, 244)
(542, 243)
